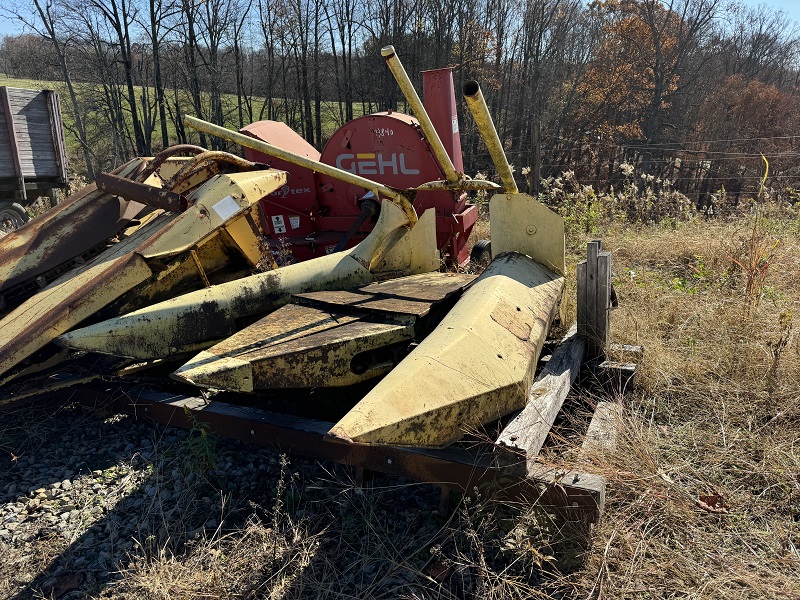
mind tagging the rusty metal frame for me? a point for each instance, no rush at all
(160, 158)
(142, 192)
(574, 495)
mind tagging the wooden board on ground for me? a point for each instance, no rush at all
(525, 435)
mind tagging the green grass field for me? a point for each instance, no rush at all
(98, 130)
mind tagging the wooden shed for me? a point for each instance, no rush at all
(33, 157)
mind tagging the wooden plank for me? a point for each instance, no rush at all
(584, 319)
(601, 437)
(617, 378)
(57, 126)
(526, 433)
(603, 302)
(626, 352)
(21, 95)
(13, 149)
(28, 116)
(594, 299)
(592, 250)
(31, 116)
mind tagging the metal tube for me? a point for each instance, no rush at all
(162, 156)
(204, 157)
(141, 192)
(302, 161)
(480, 112)
(420, 113)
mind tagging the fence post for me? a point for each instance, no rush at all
(594, 299)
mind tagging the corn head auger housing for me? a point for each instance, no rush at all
(151, 273)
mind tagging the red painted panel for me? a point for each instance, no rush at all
(439, 98)
(309, 215)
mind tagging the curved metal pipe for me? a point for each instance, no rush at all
(162, 156)
(396, 67)
(480, 112)
(206, 156)
(296, 159)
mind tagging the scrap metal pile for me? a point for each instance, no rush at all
(294, 270)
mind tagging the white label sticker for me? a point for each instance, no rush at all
(455, 124)
(278, 224)
(226, 208)
(294, 222)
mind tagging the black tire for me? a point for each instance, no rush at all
(481, 254)
(12, 216)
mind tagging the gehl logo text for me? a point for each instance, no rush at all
(375, 164)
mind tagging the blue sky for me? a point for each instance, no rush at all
(790, 7)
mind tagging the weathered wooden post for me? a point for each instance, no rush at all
(594, 299)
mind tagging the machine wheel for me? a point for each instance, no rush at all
(481, 254)
(12, 216)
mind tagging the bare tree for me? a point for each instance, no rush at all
(244, 97)
(120, 15)
(159, 24)
(48, 21)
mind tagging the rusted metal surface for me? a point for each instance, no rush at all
(159, 159)
(197, 320)
(149, 195)
(68, 230)
(333, 339)
(200, 268)
(70, 300)
(475, 367)
(203, 159)
(412, 295)
(463, 185)
(221, 200)
(297, 346)
(81, 293)
(573, 494)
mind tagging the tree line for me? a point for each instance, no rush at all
(690, 92)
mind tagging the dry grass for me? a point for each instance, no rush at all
(256, 559)
(716, 418)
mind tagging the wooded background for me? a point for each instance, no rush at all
(689, 92)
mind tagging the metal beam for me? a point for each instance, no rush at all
(575, 495)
